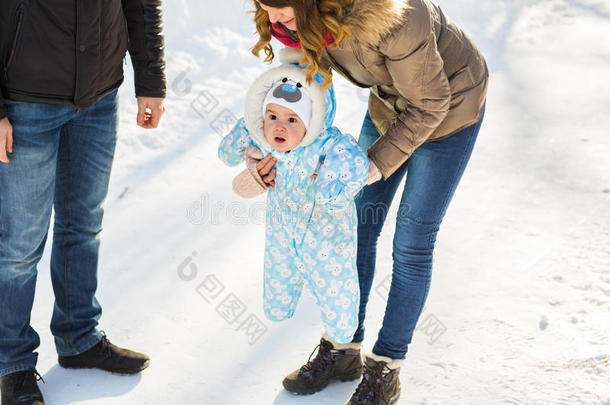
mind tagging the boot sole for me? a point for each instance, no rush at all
(395, 398)
(17, 402)
(116, 372)
(310, 391)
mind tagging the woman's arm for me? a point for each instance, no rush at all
(416, 68)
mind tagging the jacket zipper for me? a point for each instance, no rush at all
(126, 29)
(11, 56)
(100, 52)
(77, 56)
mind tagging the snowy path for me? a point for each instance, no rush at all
(521, 287)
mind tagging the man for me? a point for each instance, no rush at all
(61, 65)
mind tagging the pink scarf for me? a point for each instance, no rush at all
(280, 33)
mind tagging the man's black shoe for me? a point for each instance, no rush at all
(21, 388)
(108, 357)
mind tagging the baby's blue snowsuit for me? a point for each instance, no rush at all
(311, 223)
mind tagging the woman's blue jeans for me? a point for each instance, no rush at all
(61, 159)
(433, 173)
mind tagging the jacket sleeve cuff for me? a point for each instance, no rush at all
(387, 156)
(154, 87)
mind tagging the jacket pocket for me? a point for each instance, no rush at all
(18, 28)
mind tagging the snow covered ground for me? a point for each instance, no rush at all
(519, 309)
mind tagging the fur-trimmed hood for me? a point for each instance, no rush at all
(323, 101)
(364, 16)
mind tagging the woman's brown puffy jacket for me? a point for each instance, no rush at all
(427, 79)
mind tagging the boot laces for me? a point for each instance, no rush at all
(323, 359)
(38, 377)
(105, 347)
(371, 387)
(32, 373)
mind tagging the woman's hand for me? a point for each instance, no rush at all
(374, 173)
(6, 139)
(266, 170)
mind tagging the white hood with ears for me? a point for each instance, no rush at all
(261, 86)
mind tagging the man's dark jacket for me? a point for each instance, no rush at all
(71, 51)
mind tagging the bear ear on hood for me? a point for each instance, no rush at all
(291, 56)
(296, 57)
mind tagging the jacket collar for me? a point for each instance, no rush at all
(372, 20)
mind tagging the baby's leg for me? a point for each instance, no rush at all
(283, 283)
(333, 279)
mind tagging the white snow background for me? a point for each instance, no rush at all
(519, 308)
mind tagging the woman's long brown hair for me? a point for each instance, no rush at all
(313, 18)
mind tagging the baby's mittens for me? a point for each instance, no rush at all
(374, 173)
(248, 183)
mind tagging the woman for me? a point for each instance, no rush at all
(428, 84)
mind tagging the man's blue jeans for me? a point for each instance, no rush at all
(433, 173)
(61, 159)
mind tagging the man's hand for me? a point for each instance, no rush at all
(6, 139)
(150, 110)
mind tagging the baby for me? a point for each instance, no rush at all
(311, 216)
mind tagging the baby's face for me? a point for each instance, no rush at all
(284, 130)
